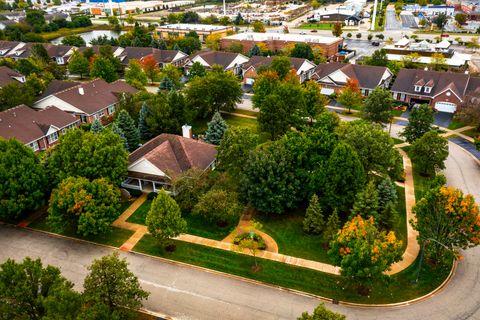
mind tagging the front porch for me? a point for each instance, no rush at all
(146, 185)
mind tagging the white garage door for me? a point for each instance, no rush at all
(446, 107)
(249, 81)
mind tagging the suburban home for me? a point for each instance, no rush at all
(228, 60)
(88, 101)
(181, 29)
(275, 42)
(163, 57)
(56, 86)
(8, 76)
(303, 67)
(333, 77)
(59, 53)
(444, 91)
(21, 50)
(152, 166)
(7, 46)
(36, 129)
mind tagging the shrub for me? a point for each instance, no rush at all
(261, 243)
(134, 192)
(151, 195)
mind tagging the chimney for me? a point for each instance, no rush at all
(187, 131)
(80, 91)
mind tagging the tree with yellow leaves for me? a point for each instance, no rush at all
(363, 252)
(447, 216)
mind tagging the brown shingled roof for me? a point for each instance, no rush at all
(174, 154)
(216, 57)
(259, 61)
(139, 53)
(7, 74)
(56, 86)
(367, 76)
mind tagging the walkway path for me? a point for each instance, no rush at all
(121, 222)
(245, 225)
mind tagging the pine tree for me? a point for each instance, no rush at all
(216, 129)
(387, 193)
(166, 84)
(96, 126)
(142, 122)
(331, 227)
(127, 125)
(161, 45)
(388, 216)
(254, 51)
(366, 203)
(119, 131)
(176, 47)
(154, 43)
(314, 220)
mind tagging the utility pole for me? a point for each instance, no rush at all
(224, 8)
(372, 27)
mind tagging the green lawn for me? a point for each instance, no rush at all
(246, 112)
(116, 237)
(199, 126)
(196, 225)
(472, 133)
(317, 26)
(400, 225)
(397, 141)
(421, 183)
(400, 288)
(455, 124)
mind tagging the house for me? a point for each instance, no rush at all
(333, 77)
(59, 53)
(21, 50)
(444, 91)
(56, 86)
(181, 29)
(8, 76)
(7, 46)
(348, 17)
(88, 101)
(275, 42)
(163, 57)
(36, 129)
(153, 165)
(228, 60)
(303, 68)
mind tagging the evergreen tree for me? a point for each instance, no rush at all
(387, 216)
(96, 126)
(161, 45)
(119, 131)
(254, 51)
(142, 122)
(314, 219)
(331, 227)
(366, 203)
(166, 84)
(153, 43)
(216, 129)
(387, 193)
(130, 131)
(176, 47)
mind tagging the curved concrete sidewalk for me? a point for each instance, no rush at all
(244, 225)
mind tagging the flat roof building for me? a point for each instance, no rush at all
(181, 29)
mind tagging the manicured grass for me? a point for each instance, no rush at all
(199, 126)
(196, 225)
(397, 141)
(455, 124)
(400, 288)
(472, 133)
(397, 113)
(246, 112)
(116, 237)
(421, 183)
(317, 26)
(400, 224)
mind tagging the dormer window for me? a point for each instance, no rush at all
(418, 88)
(428, 89)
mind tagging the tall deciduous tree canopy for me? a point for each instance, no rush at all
(23, 179)
(420, 122)
(378, 106)
(89, 155)
(302, 50)
(236, 144)
(78, 64)
(378, 58)
(216, 129)
(218, 205)
(197, 70)
(350, 96)
(134, 75)
(104, 69)
(315, 102)
(430, 152)
(167, 114)
(89, 207)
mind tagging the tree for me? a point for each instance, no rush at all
(103, 68)
(469, 110)
(378, 106)
(254, 51)
(363, 252)
(331, 228)
(267, 179)
(236, 144)
(14, 94)
(39, 54)
(89, 207)
(188, 187)
(314, 221)
(315, 102)
(337, 29)
(213, 41)
(438, 62)
(258, 27)
(322, 313)
(78, 64)
(461, 18)
(30, 291)
(282, 66)
(410, 61)
(216, 129)
(350, 96)
(346, 177)
(127, 125)
(358, 35)
(238, 19)
(218, 205)
(420, 122)
(89, 155)
(366, 203)
(378, 58)
(166, 114)
(374, 147)
(150, 67)
(134, 74)
(24, 182)
(387, 193)
(73, 40)
(430, 152)
(446, 215)
(217, 91)
(441, 20)
(302, 50)
(142, 122)
(197, 70)
(96, 126)
(110, 284)
(164, 219)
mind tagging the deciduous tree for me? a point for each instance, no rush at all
(322, 313)
(350, 96)
(78, 64)
(315, 102)
(430, 152)
(150, 67)
(258, 27)
(103, 68)
(378, 106)
(469, 111)
(197, 70)
(234, 148)
(420, 122)
(188, 187)
(337, 29)
(134, 74)
(302, 50)
(219, 206)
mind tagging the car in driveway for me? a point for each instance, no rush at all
(375, 43)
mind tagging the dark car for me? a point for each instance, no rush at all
(313, 30)
(375, 43)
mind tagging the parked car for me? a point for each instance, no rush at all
(444, 35)
(375, 43)
(313, 30)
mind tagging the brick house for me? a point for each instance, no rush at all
(88, 101)
(333, 77)
(228, 60)
(37, 129)
(444, 91)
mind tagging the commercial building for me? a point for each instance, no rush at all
(203, 30)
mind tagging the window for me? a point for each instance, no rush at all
(102, 114)
(418, 88)
(83, 118)
(111, 109)
(52, 137)
(34, 145)
(428, 89)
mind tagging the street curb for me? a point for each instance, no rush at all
(466, 151)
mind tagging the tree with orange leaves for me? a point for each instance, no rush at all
(350, 96)
(363, 252)
(448, 216)
(150, 67)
